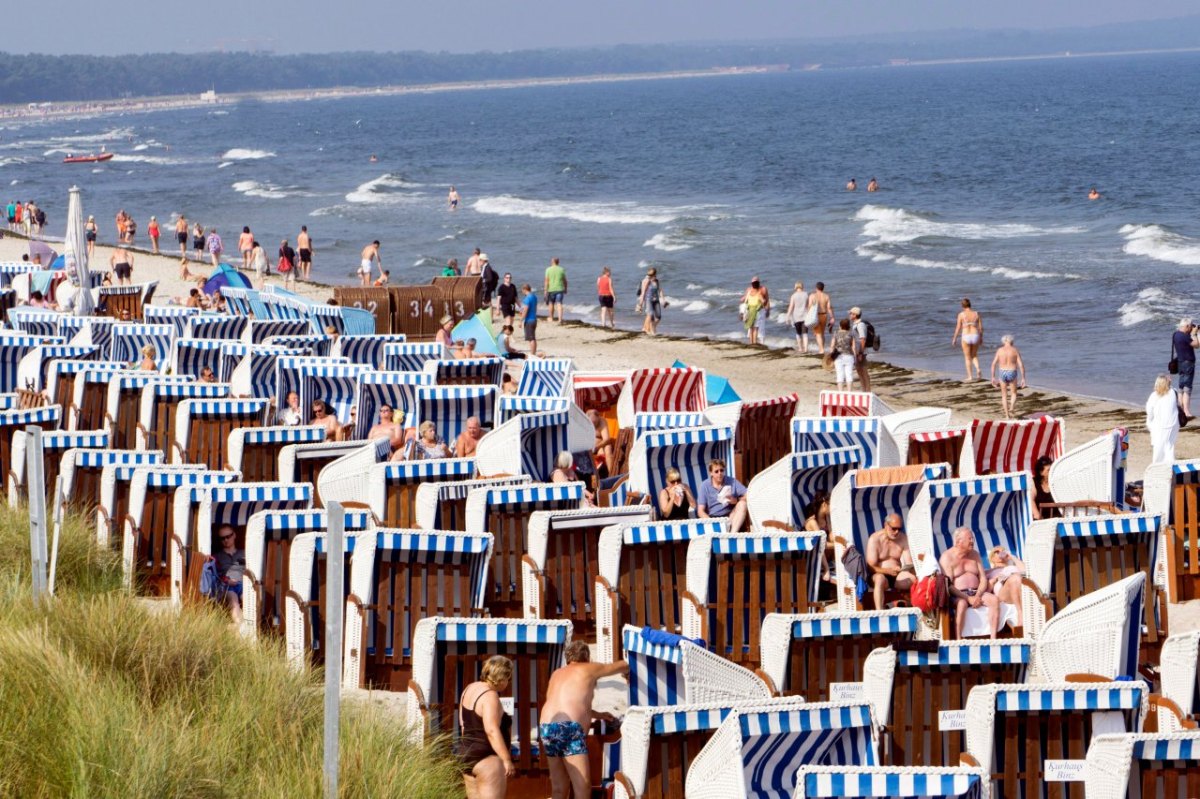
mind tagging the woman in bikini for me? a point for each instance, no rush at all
(1005, 577)
(486, 732)
(970, 327)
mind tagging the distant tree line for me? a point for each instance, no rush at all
(35, 77)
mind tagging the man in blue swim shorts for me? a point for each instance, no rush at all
(1011, 375)
(566, 716)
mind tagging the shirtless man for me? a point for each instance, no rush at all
(968, 580)
(873, 185)
(824, 315)
(474, 264)
(1094, 194)
(391, 427)
(181, 234)
(121, 262)
(370, 256)
(321, 416)
(304, 250)
(566, 716)
(468, 439)
(1011, 377)
(889, 558)
(852, 185)
(452, 198)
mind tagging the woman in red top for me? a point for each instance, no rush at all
(152, 229)
(608, 300)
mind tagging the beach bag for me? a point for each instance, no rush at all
(870, 337)
(929, 594)
(285, 265)
(1173, 364)
(810, 316)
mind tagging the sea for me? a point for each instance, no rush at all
(984, 171)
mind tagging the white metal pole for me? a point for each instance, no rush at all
(36, 480)
(335, 559)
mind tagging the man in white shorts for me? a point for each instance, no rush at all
(370, 256)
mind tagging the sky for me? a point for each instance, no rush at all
(463, 26)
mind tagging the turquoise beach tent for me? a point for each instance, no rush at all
(717, 389)
(478, 327)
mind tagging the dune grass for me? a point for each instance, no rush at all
(101, 697)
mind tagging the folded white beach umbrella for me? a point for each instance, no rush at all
(75, 254)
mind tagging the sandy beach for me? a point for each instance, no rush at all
(755, 372)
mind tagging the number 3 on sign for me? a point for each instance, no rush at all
(415, 309)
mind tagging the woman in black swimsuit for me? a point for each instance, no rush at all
(485, 732)
(675, 500)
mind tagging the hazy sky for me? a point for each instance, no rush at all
(289, 26)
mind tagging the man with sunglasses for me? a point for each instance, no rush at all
(231, 564)
(322, 416)
(721, 497)
(889, 559)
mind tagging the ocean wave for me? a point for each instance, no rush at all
(243, 154)
(426, 260)
(614, 213)
(268, 191)
(1153, 304)
(378, 191)
(867, 251)
(999, 271)
(720, 293)
(1161, 244)
(666, 242)
(697, 306)
(898, 226)
(581, 310)
(159, 160)
(224, 164)
(13, 161)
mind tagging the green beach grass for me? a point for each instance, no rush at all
(101, 697)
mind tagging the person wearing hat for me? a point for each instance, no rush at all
(89, 232)
(153, 231)
(443, 334)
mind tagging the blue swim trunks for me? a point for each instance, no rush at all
(1187, 374)
(553, 297)
(1008, 375)
(563, 738)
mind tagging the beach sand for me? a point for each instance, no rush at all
(759, 373)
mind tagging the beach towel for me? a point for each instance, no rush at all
(856, 570)
(889, 475)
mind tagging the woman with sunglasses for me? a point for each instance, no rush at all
(675, 500)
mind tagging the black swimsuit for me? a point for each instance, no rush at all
(473, 745)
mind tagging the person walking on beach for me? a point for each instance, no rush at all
(796, 312)
(246, 246)
(153, 231)
(754, 301)
(858, 328)
(529, 317)
(555, 288)
(845, 354)
(506, 293)
(490, 280)
(181, 234)
(566, 716)
(198, 242)
(452, 198)
(260, 264)
(970, 327)
(368, 258)
(215, 247)
(287, 264)
(90, 231)
(1162, 420)
(650, 299)
(1011, 375)
(824, 315)
(121, 263)
(304, 249)
(1183, 350)
(474, 264)
(608, 300)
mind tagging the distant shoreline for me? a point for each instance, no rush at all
(144, 105)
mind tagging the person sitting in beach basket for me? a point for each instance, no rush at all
(720, 497)
(675, 500)
(890, 560)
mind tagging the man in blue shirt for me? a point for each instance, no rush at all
(1183, 349)
(720, 496)
(529, 318)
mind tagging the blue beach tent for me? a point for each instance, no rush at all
(225, 276)
(717, 389)
(479, 328)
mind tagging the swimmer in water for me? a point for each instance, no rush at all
(852, 185)
(873, 185)
(1094, 195)
(373, 159)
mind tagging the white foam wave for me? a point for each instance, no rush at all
(720, 293)
(13, 161)
(998, 271)
(867, 251)
(243, 154)
(425, 260)
(644, 264)
(13, 182)
(224, 164)
(379, 191)
(1161, 244)
(447, 237)
(697, 306)
(666, 243)
(141, 147)
(1153, 304)
(268, 191)
(615, 213)
(581, 310)
(898, 226)
(148, 159)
